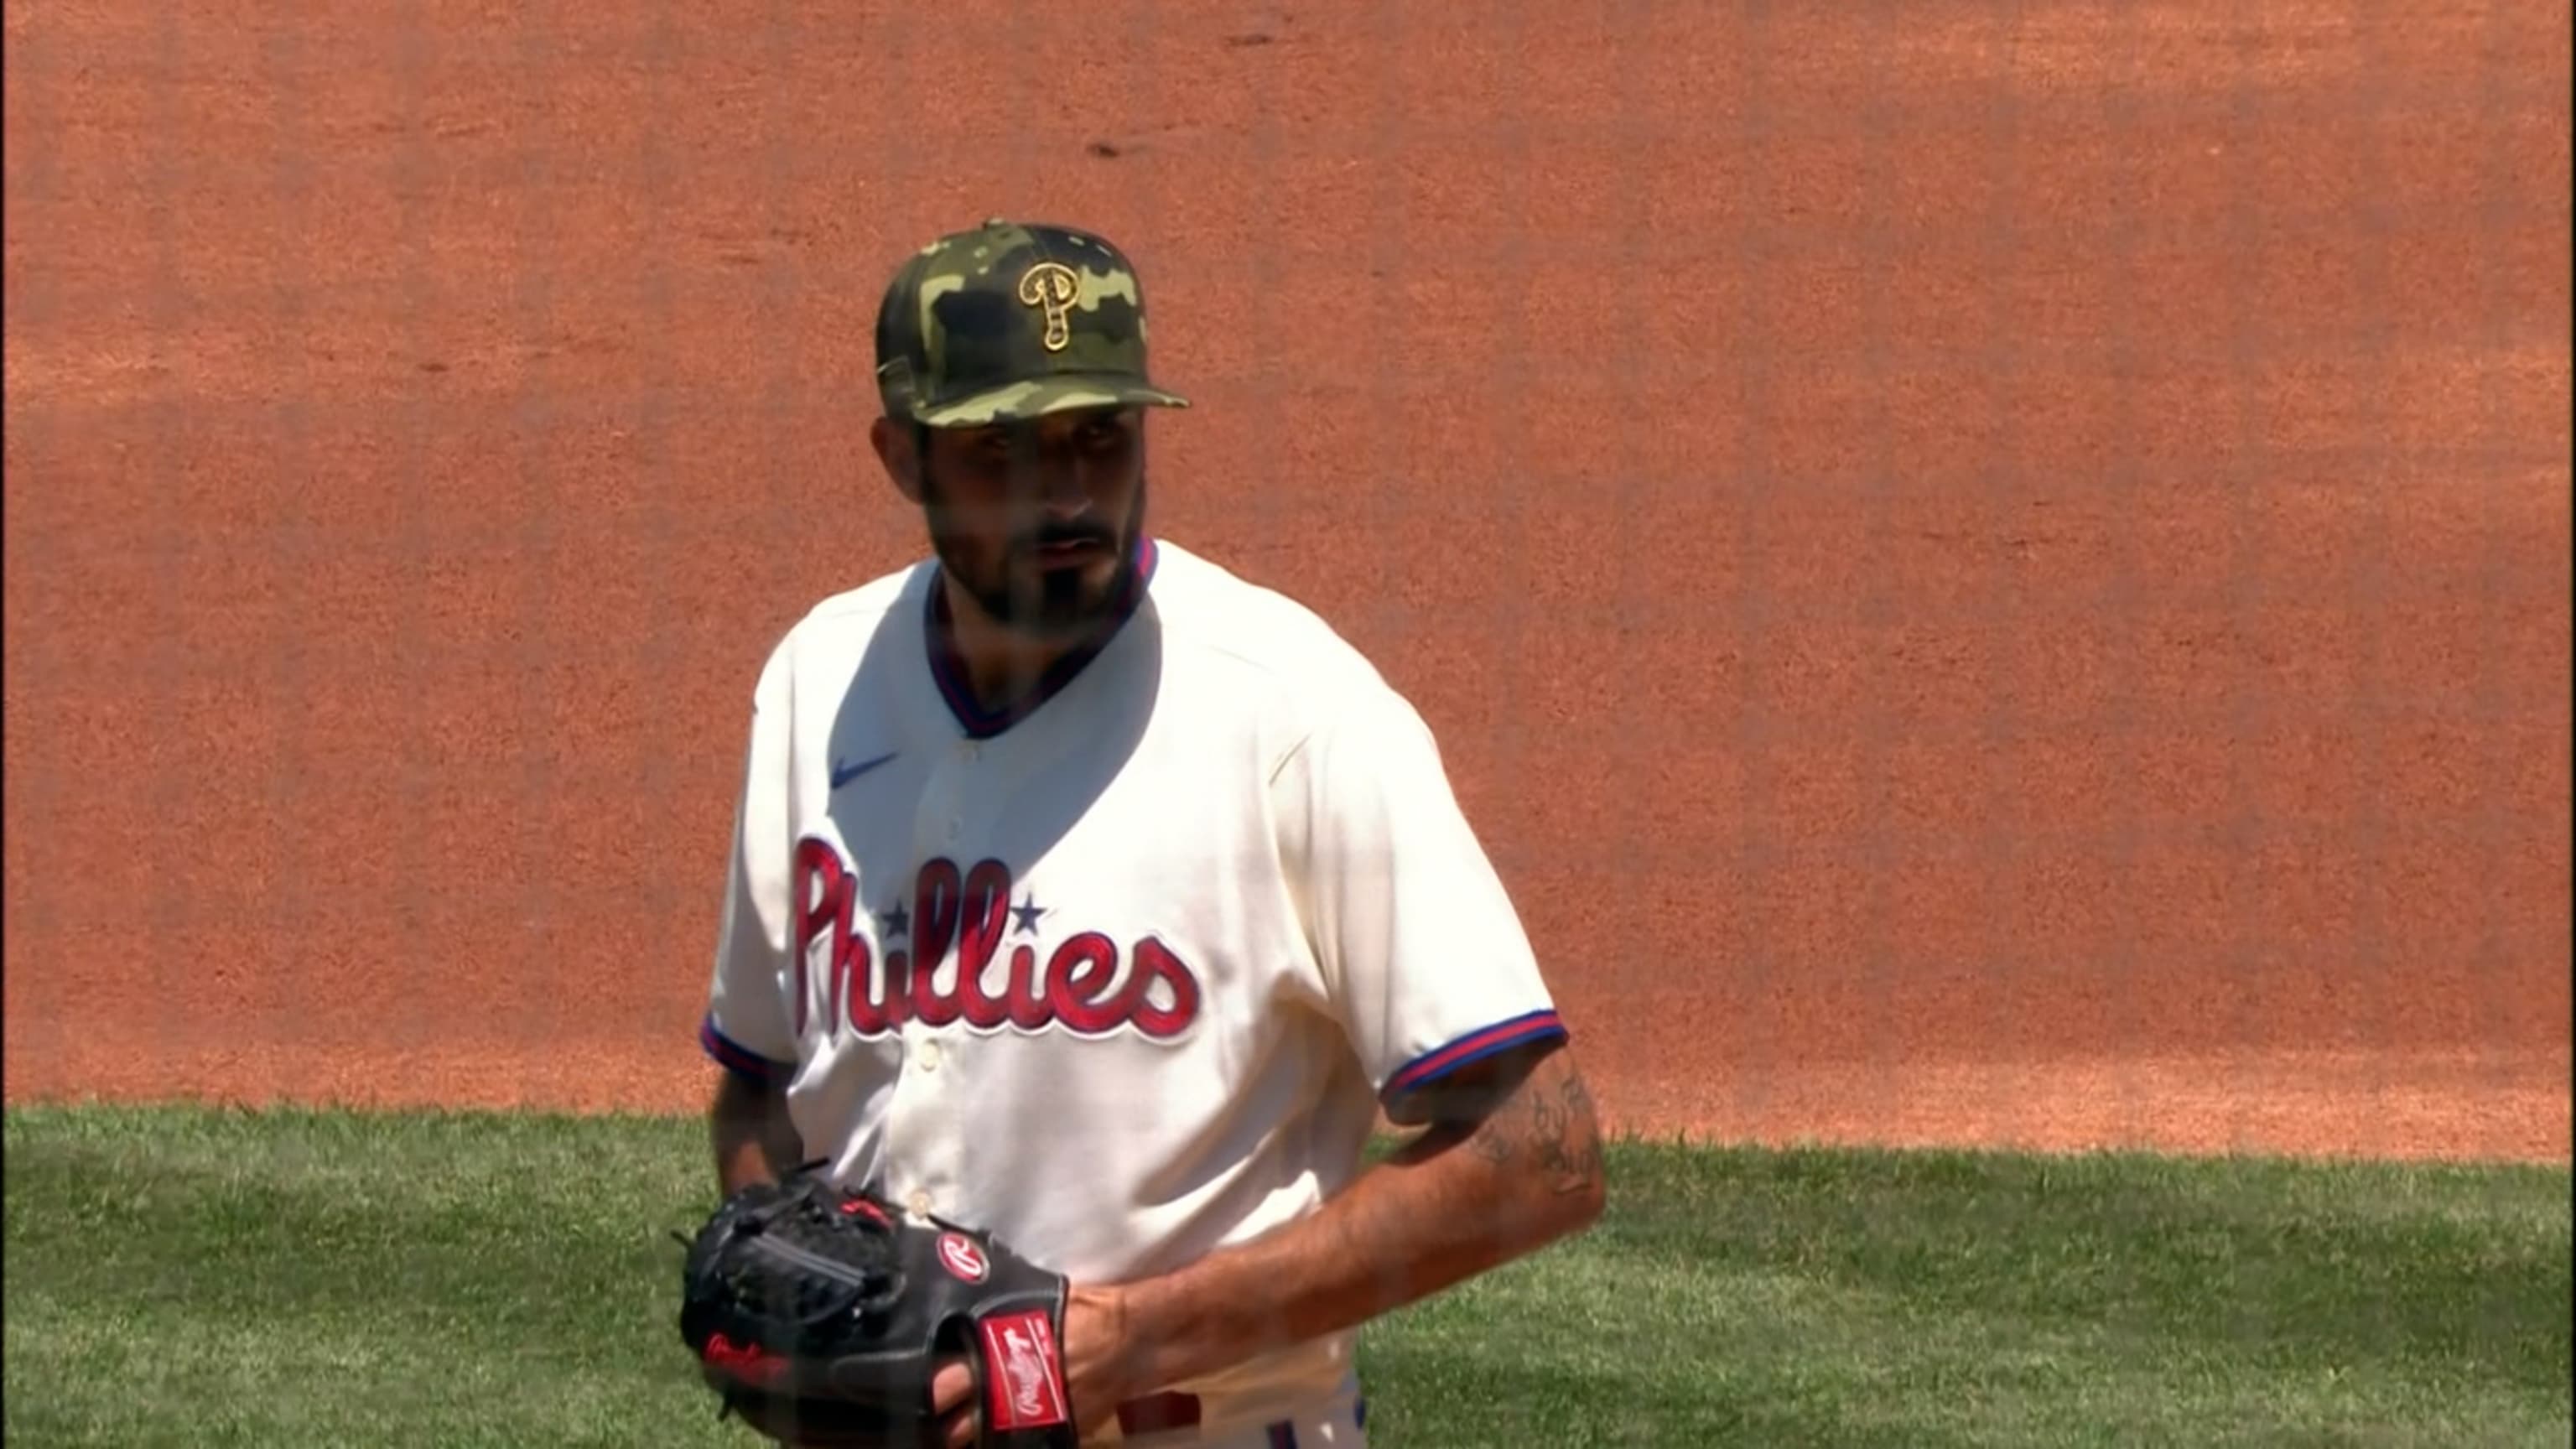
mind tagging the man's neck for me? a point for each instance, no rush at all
(1002, 665)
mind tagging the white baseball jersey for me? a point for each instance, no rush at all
(1123, 977)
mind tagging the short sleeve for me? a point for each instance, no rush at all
(748, 1027)
(1423, 956)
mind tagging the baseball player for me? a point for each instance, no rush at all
(1088, 893)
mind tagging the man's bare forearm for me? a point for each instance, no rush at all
(753, 1138)
(1456, 1202)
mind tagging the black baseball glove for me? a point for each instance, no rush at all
(819, 1314)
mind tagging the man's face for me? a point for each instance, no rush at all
(1038, 521)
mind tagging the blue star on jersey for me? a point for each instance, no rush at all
(1025, 918)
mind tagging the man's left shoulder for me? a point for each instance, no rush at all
(1217, 613)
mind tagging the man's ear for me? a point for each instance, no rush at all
(895, 452)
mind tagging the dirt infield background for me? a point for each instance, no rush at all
(1991, 571)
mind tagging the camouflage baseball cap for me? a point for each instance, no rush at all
(1010, 322)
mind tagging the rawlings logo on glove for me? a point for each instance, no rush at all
(1028, 1392)
(820, 1315)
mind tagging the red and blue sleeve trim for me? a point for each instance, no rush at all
(1475, 1046)
(741, 1060)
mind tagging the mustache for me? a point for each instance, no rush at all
(1064, 533)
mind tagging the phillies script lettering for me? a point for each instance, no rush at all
(1086, 985)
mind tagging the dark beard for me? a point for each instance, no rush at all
(1061, 606)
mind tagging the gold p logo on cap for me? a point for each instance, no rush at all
(1053, 286)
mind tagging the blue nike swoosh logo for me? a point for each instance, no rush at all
(844, 774)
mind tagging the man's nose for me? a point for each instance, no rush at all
(1062, 487)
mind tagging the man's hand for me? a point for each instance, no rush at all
(1100, 1363)
(753, 1138)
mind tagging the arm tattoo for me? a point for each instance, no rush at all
(1570, 1150)
(1552, 1129)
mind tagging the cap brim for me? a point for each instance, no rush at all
(1022, 401)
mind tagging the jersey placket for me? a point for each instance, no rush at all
(939, 829)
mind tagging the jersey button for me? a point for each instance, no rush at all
(953, 827)
(920, 1204)
(927, 1056)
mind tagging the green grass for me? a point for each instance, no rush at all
(210, 1277)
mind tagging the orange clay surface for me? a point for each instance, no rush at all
(1991, 573)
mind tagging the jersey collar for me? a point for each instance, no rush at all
(948, 667)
